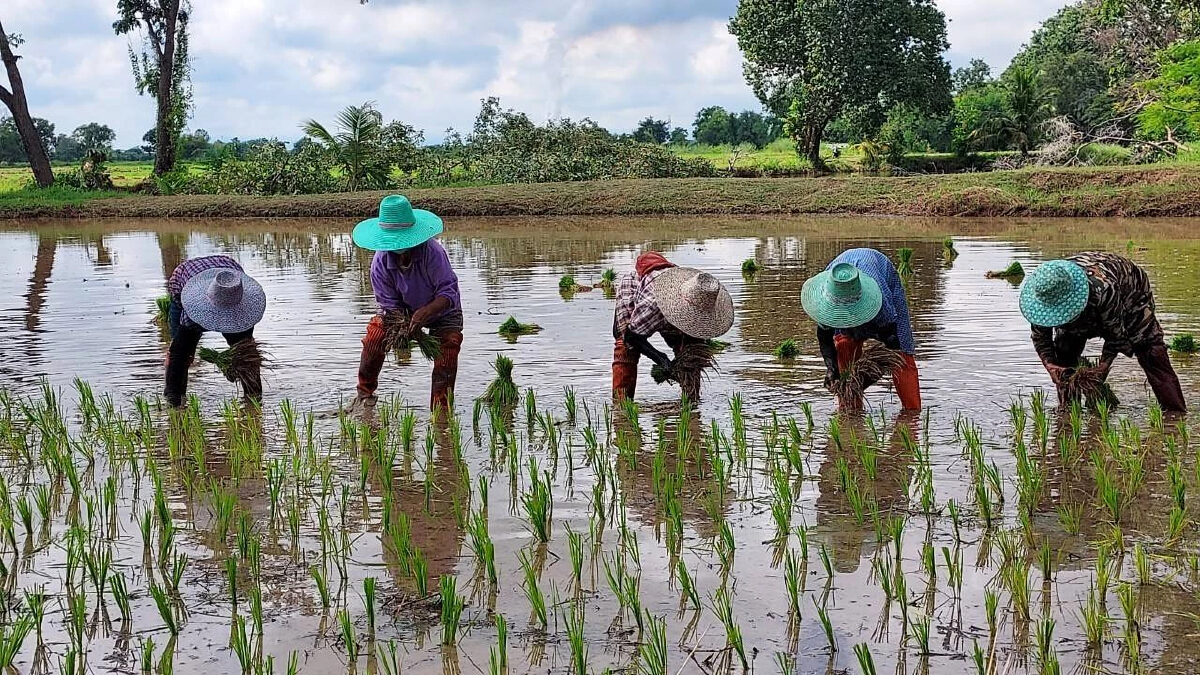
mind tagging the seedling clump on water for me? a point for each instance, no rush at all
(502, 391)
(787, 350)
(1184, 344)
(1013, 272)
(513, 328)
(749, 267)
(904, 265)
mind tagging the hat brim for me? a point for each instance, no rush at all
(831, 314)
(668, 293)
(369, 235)
(1053, 315)
(238, 319)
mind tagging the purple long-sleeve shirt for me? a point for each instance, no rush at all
(427, 277)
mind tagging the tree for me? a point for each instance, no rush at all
(12, 145)
(1175, 110)
(679, 136)
(1027, 105)
(94, 136)
(811, 61)
(150, 142)
(712, 126)
(356, 145)
(972, 109)
(162, 69)
(67, 149)
(651, 130)
(36, 146)
(974, 75)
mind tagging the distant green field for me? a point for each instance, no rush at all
(124, 174)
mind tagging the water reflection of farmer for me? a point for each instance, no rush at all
(893, 474)
(410, 275)
(210, 293)
(1102, 295)
(860, 297)
(682, 304)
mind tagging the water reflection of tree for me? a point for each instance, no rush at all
(770, 309)
(43, 265)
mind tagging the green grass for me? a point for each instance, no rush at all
(124, 174)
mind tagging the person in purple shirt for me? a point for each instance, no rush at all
(411, 274)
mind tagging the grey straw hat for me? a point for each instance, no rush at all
(224, 300)
(694, 302)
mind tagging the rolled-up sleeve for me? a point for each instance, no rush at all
(386, 295)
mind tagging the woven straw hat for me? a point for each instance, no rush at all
(842, 297)
(224, 300)
(694, 302)
(1055, 294)
(399, 226)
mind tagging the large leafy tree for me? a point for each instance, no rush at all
(1175, 110)
(37, 148)
(651, 130)
(162, 68)
(12, 144)
(94, 136)
(813, 60)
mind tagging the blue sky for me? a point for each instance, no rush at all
(262, 67)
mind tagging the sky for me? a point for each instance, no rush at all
(263, 67)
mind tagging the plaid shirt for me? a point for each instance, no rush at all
(1120, 308)
(190, 268)
(637, 309)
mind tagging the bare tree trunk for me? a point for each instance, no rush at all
(813, 133)
(164, 132)
(39, 160)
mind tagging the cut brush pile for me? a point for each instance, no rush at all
(399, 337)
(875, 363)
(240, 363)
(688, 368)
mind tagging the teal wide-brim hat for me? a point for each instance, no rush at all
(841, 297)
(399, 226)
(1055, 294)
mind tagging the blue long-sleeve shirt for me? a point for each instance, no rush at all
(892, 325)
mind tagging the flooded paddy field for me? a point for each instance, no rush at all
(759, 532)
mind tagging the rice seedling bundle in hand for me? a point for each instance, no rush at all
(162, 307)
(688, 368)
(1184, 344)
(875, 363)
(1086, 383)
(512, 328)
(1013, 271)
(399, 337)
(502, 391)
(904, 267)
(240, 363)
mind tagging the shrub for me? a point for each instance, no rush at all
(270, 169)
(1104, 154)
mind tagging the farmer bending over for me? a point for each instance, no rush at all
(411, 276)
(210, 293)
(1101, 295)
(684, 305)
(860, 297)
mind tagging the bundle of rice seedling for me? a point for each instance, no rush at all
(717, 345)
(502, 391)
(904, 267)
(788, 349)
(240, 362)
(1086, 383)
(1013, 271)
(512, 328)
(949, 253)
(749, 266)
(608, 279)
(162, 307)
(875, 363)
(399, 337)
(1184, 344)
(688, 368)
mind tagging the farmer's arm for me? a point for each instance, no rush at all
(641, 344)
(1043, 342)
(386, 295)
(828, 352)
(889, 335)
(445, 286)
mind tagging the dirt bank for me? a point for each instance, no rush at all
(1120, 191)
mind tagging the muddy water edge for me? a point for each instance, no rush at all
(993, 526)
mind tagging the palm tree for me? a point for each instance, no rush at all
(356, 146)
(1029, 104)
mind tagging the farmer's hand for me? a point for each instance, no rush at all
(831, 377)
(663, 373)
(1058, 374)
(425, 315)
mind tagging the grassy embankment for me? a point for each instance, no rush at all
(1154, 190)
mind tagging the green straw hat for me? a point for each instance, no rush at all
(398, 227)
(841, 297)
(1055, 294)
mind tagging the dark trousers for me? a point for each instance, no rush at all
(184, 341)
(1153, 357)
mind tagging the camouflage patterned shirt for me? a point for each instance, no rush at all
(1120, 308)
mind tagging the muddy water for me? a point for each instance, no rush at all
(76, 301)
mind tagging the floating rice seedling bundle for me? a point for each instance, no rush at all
(691, 361)
(949, 253)
(1184, 344)
(750, 267)
(788, 349)
(567, 285)
(876, 362)
(162, 307)
(904, 267)
(240, 363)
(1013, 272)
(512, 328)
(1087, 384)
(399, 337)
(502, 391)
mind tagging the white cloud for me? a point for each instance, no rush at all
(263, 66)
